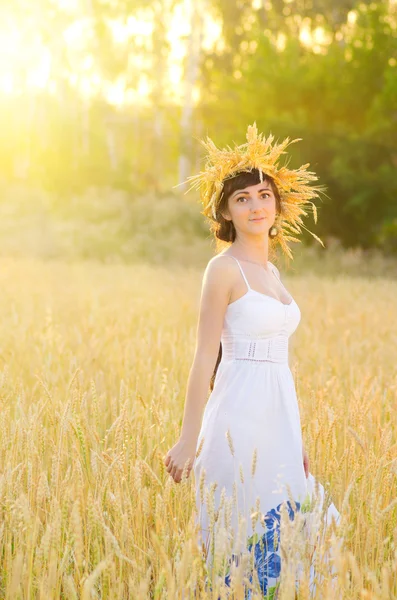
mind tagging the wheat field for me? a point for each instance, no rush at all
(94, 361)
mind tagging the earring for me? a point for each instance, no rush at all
(273, 231)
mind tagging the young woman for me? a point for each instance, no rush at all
(245, 443)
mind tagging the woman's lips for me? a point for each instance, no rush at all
(260, 219)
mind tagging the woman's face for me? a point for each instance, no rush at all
(252, 209)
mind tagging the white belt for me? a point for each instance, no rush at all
(273, 349)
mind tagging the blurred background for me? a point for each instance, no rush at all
(103, 103)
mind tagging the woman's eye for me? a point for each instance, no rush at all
(244, 198)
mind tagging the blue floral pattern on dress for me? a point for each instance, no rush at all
(267, 559)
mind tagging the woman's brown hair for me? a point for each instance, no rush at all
(224, 230)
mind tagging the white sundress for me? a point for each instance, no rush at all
(253, 410)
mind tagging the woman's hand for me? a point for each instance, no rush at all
(181, 453)
(305, 461)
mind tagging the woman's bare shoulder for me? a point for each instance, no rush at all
(221, 268)
(220, 258)
(221, 263)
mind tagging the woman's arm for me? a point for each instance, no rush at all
(215, 295)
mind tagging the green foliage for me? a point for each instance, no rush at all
(101, 224)
(342, 102)
(114, 226)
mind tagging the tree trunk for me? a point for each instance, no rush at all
(191, 78)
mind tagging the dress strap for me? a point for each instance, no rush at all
(275, 270)
(241, 269)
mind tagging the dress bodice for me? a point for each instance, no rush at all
(257, 315)
(254, 317)
(260, 316)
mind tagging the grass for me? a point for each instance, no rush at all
(94, 361)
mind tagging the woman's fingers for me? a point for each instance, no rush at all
(175, 471)
(172, 469)
(178, 476)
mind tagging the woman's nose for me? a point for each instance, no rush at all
(256, 204)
